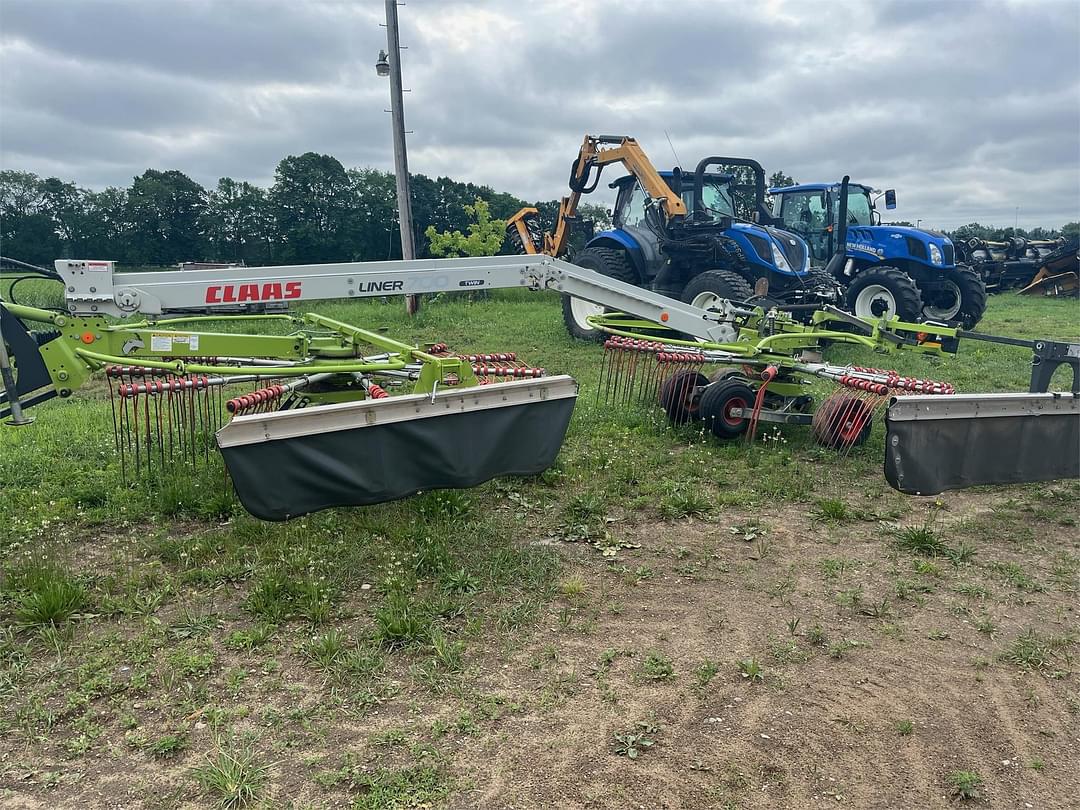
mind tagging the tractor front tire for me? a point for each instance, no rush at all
(607, 262)
(884, 292)
(967, 298)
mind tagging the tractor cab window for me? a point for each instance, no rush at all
(858, 207)
(804, 212)
(632, 207)
(715, 196)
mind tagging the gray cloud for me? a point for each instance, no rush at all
(968, 109)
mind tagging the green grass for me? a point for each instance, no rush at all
(44, 594)
(233, 778)
(397, 789)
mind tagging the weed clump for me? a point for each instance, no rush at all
(235, 778)
(965, 784)
(45, 595)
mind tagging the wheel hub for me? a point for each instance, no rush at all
(582, 309)
(946, 302)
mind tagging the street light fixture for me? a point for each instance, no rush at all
(382, 66)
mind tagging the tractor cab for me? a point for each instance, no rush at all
(936, 287)
(812, 210)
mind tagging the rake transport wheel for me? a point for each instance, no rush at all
(962, 299)
(678, 396)
(884, 292)
(607, 262)
(717, 402)
(842, 422)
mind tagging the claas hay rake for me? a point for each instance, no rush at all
(761, 370)
(307, 412)
(323, 413)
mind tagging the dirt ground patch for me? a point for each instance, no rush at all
(827, 724)
(752, 659)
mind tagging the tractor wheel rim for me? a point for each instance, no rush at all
(581, 309)
(706, 300)
(951, 292)
(875, 301)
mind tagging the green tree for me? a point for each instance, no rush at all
(1070, 229)
(26, 229)
(165, 210)
(238, 223)
(779, 180)
(65, 205)
(311, 202)
(106, 227)
(374, 204)
(485, 235)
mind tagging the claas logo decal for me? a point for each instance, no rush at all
(276, 291)
(239, 293)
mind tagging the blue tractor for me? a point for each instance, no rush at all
(680, 235)
(888, 269)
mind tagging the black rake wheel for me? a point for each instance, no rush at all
(678, 396)
(717, 403)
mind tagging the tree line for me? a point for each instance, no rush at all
(315, 211)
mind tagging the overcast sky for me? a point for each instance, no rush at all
(968, 109)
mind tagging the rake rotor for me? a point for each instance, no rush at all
(732, 387)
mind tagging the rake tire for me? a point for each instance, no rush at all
(716, 402)
(842, 422)
(677, 396)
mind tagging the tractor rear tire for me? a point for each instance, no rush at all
(884, 292)
(678, 396)
(705, 289)
(607, 262)
(970, 289)
(716, 403)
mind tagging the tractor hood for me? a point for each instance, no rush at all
(887, 242)
(767, 241)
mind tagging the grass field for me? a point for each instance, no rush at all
(657, 621)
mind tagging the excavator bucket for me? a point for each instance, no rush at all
(1059, 284)
(288, 463)
(934, 444)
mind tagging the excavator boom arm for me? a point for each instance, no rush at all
(596, 152)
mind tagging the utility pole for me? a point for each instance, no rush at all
(401, 159)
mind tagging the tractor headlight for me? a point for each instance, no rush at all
(778, 258)
(935, 253)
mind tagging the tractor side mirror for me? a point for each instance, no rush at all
(890, 199)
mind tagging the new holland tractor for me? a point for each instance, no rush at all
(677, 234)
(890, 269)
